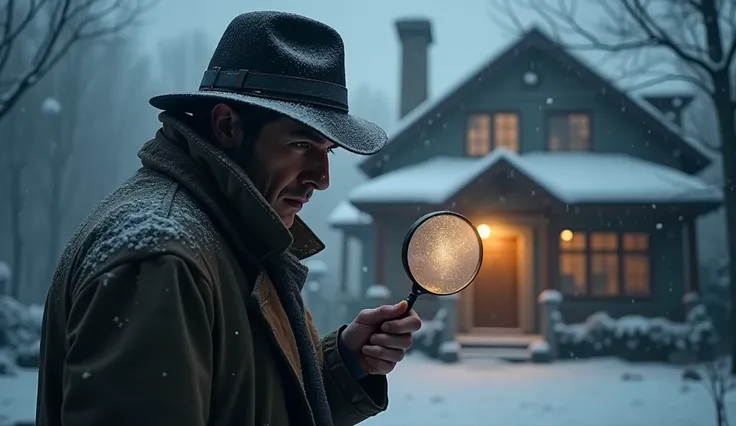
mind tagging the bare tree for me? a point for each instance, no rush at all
(65, 23)
(715, 378)
(698, 36)
(67, 90)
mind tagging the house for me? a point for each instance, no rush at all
(574, 184)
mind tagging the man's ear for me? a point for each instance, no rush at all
(226, 126)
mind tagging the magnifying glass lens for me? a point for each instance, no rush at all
(443, 254)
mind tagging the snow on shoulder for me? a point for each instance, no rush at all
(141, 224)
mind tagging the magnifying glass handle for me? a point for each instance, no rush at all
(411, 299)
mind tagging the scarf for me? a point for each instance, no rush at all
(289, 275)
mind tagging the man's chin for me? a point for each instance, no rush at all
(288, 219)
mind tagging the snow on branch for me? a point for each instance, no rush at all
(57, 25)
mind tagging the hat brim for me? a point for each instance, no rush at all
(347, 131)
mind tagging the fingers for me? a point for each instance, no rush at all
(378, 366)
(382, 313)
(383, 353)
(392, 341)
(408, 324)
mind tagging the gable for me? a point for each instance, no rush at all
(431, 127)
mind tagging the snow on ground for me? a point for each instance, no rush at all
(602, 392)
(18, 397)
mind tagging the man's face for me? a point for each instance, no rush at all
(287, 162)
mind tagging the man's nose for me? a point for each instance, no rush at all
(319, 175)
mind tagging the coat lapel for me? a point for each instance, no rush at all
(269, 305)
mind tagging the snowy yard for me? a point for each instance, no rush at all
(604, 392)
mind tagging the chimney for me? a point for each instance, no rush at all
(670, 106)
(415, 36)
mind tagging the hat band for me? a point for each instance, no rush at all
(274, 86)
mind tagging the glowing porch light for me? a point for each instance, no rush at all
(484, 231)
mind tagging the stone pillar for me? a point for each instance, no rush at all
(449, 348)
(5, 276)
(549, 305)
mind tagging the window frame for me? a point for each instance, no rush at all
(491, 114)
(550, 114)
(621, 254)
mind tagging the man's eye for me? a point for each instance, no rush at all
(302, 145)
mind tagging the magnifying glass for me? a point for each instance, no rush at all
(442, 254)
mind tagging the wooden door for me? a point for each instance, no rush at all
(496, 289)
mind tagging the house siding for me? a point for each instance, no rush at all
(613, 129)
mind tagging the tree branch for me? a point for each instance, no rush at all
(82, 20)
(631, 28)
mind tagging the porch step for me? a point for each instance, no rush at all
(493, 341)
(503, 354)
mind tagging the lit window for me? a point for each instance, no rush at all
(506, 131)
(604, 264)
(478, 135)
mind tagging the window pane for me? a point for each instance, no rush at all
(577, 242)
(604, 274)
(558, 133)
(572, 273)
(636, 242)
(568, 132)
(579, 132)
(506, 131)
(636, 275)
(478, 137)
(607, 241)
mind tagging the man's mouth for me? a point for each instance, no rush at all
(297, 203)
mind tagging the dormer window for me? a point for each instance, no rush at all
(487, 131)
(568, 131)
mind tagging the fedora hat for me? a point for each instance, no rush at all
(288, 64)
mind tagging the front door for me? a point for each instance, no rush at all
(495, 290)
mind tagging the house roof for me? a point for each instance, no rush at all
(346, 214)
(571, 177)
(536, 39)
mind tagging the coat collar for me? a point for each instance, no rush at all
(225, 190)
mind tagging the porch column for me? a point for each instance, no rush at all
(344, 262)
(449, 348)
(549, 301)
(692, 249)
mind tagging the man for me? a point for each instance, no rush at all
(178, 300)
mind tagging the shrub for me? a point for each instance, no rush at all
(637, 338)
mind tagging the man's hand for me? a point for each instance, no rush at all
(380, 337)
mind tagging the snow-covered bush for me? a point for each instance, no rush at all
(715, 295)
(637, 338)
(20, 330)
(429, 338)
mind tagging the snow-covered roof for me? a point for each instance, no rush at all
(535, 37)
(316, 266)
(346, 214)
(572, 177)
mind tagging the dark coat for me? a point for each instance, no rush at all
(160, 313)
